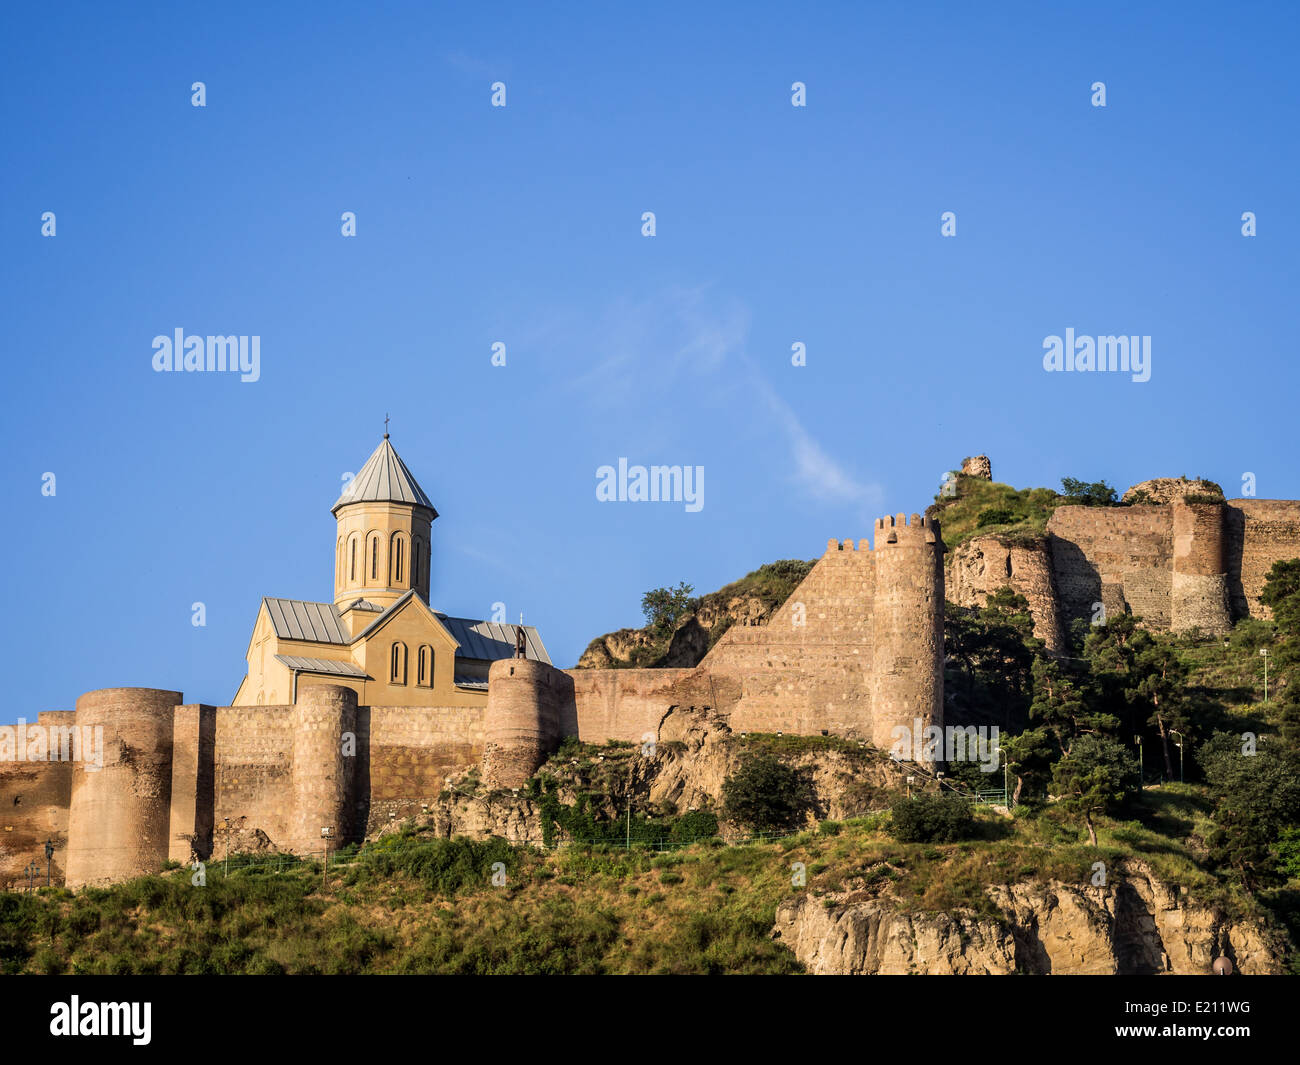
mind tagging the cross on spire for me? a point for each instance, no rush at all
(385, 425)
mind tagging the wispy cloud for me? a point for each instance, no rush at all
(687, 338)
(819, 474)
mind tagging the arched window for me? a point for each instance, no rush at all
(374, 558)
(424, 671)
(398, 545)
(415, 565)
(338, 562)
(352, 575)
(398, 664)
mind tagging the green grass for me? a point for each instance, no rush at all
(414, 903)
(959, 515)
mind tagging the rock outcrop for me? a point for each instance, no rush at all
(1133, 925)
(1161, 490)
(984, 564)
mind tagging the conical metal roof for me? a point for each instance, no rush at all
(384, 479)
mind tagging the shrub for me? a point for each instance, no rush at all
(765, 795)
(447, 866)
(994, 516)
(932, 818)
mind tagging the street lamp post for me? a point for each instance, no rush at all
(1263, 653)
(227, 872)
(1179, 741)
(325, 834)
(1138, 740)
(49, 856)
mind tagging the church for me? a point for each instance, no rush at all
(379, 636)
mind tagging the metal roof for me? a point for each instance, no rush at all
(321, 665)
(384, 479)
(297, 619)
(491, 640)
(477, 683)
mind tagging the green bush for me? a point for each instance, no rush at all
(447, 866)
(766, 795)
(994, 516)
(932, 818)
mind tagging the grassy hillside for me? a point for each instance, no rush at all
(981, 507)
(410, 903)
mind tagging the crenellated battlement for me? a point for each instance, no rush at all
(899, 529)
(834, 546)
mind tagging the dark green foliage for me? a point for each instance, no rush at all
(932, 817)
(663, 607)
(1256, 800)
(1092, 778)
(989, 653)
(587, 821)
(765, 795)
(447, 866)
(1088, 493)
(994, 516)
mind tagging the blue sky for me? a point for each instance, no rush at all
(522, 225)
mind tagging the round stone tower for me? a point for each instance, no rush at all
(120, 811)
(906, 679)
(322, 775)
(521, 722)
(1199, 595)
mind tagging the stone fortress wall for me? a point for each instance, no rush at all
(1178, 565)
(856, 650)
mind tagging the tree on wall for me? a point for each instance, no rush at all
(663, 607)
(1088, 493)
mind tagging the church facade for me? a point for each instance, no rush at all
(378, 636)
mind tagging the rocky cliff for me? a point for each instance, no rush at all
(752, 600)
(979, 567)
(1133, 925)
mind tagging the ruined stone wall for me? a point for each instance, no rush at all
(252, 761)
(193, 738)
(983, 565)
(34, 801)
(1258, 532)
(806, 669)
(617, 704)
(1199, 589)
(1119, 556)
(406, 753)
